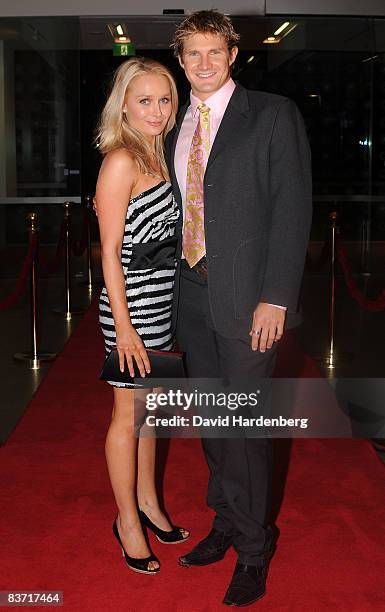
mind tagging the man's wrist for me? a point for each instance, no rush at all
(278, 306)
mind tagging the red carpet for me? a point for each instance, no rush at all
(57, 509)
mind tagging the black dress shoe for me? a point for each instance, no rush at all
(209, 550)
(247, 585)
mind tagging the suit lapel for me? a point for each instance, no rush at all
(236, 110)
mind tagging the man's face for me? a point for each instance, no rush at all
(206, 61)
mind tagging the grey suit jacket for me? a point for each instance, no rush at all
(257, 209)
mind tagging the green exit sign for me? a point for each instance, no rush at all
(124, 49)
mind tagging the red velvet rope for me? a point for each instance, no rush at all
(373, 305)
(78, 246)
(49, 267)
(12, 299)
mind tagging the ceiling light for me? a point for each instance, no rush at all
(288, 30)
(117, 29)
(271, 40)
(281, 28)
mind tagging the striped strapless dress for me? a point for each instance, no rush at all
(148, 261)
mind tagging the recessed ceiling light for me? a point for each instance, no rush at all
(369, 59)
(271, 40)
(281, 28)
(288, 30)
(117, 29)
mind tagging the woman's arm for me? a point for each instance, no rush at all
(117, 177)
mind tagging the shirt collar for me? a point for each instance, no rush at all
(217, 102)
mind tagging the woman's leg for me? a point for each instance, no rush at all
(121, 453)
(146, 487)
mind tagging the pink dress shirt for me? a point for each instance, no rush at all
(217, 104)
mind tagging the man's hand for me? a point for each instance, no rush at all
(267, 326)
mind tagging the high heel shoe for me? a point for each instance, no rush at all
(137, 565)
(175, 536)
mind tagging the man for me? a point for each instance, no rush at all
(240, 166)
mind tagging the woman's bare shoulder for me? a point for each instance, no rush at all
(120, 159)
(118, 173)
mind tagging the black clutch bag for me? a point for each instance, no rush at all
(164, 365)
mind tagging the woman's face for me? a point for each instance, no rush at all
(147, 104)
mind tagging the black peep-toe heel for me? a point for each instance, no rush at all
(137, 565)
(175, 536)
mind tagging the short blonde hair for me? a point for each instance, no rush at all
(204, 22)
(114, 131)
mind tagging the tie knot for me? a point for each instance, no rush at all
(203, 108)
(204, 116)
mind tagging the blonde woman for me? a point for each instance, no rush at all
(137, 216)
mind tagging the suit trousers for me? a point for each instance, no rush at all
(239, 489)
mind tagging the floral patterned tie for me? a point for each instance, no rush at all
(194, 247)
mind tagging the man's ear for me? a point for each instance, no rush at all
(180, 61)
(233, 55)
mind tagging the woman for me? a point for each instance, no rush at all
(135, 207)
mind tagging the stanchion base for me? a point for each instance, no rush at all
(94, 285)
(68, 314)
(32, 362)
(334, 361)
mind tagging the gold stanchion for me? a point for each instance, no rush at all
(35, 357)
(330, 357)
(88, 203)
(68, 312)
(331, 360)
(91, 283)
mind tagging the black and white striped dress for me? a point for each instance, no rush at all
(151, 218)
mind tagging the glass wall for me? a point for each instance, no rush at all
(39, 126)
(54, 74)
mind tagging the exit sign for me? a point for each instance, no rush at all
(124, 49)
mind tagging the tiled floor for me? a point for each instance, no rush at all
(359, 337)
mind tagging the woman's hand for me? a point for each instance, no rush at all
(130, 346)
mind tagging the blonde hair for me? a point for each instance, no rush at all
(204, 22)
(114, 131)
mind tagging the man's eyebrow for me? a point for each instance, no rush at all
(212, 49)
